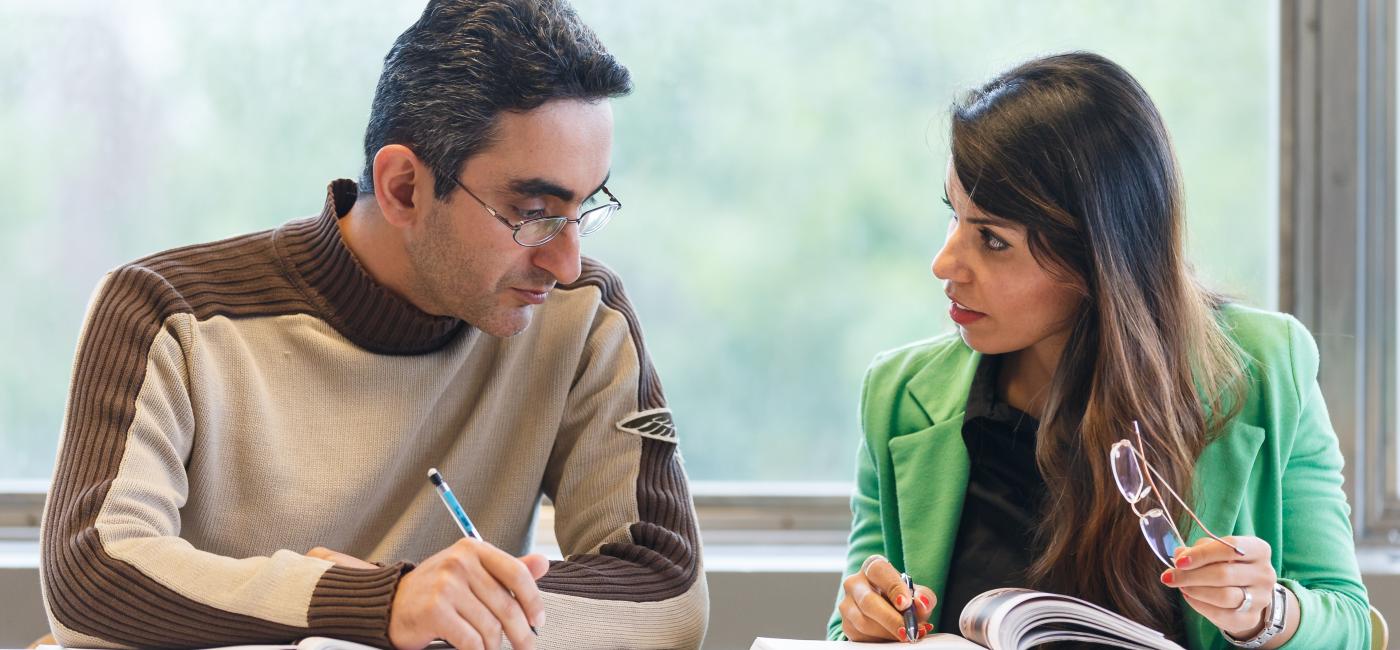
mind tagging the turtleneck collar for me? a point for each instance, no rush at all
(362, 310)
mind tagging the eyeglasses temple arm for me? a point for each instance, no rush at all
(1137, 449)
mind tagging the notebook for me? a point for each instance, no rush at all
(309, 643)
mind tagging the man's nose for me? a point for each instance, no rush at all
(560, 256)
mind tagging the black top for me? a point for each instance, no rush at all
(995, 544)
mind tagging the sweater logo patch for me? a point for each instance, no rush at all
(655, 424)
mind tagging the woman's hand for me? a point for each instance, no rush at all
(1214, 578)
(875, 600)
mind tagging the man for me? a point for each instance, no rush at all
(240, 407)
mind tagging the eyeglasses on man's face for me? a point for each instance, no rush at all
(1128, 462)
(595, 213)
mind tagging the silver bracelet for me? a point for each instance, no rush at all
(1277, 618)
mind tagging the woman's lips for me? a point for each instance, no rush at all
(964, 316)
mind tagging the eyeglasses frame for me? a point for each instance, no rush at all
(613, 204)
(1148, 475)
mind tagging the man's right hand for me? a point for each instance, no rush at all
(468, 595)
(875, 599)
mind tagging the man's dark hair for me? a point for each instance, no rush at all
(450, 74)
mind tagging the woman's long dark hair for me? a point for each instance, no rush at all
(1071, 147)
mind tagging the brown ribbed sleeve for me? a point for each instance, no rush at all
(93, 593)
(88, 590)
(661, 558)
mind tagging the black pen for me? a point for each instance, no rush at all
(911, 621)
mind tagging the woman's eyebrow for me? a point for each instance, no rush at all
(978, 218)
(985, 220)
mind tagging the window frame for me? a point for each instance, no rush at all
(1337, 241)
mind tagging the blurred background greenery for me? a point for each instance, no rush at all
(781, 163)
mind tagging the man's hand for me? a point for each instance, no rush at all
(468, 595)
(340, 559)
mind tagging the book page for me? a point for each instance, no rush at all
(948, 641)
(1014, 619)
(325, 643)
(309, 643)
(231, 647)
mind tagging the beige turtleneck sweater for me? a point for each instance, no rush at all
(237, 403)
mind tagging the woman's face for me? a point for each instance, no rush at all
(1002, 299)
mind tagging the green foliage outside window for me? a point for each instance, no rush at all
(781, 164)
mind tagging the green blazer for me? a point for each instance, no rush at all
(1274, 473)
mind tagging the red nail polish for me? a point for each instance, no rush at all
(899, 603)
(1183, 562)
(927, 628)
(1167, 577)
(903, 636)
(924, 599)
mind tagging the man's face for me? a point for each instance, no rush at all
(544, 162)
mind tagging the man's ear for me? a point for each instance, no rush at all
(403, 186)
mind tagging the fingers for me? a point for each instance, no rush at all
(924, 601)
(462, 636)
(504, 611)
(889, 583)
(423, 611)
(874, 616)
(470, 594)
(1225, 598)
(856, 626)
(1213, 579)
(1228, 574)
(537, 564)
(486, 624)
(1239, 624)
(1221, 574)
(341, 559)
(1209, 551)
(515, 576)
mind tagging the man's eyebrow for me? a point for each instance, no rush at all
(545, 187)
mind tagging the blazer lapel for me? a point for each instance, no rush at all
(930, 477)
(931, 467)
(1222, 478)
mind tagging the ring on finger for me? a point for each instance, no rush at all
(1248, 600)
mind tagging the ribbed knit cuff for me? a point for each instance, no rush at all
(353, 604)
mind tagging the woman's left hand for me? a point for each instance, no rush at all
(1214, 579)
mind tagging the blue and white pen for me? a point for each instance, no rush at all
(463, 521)
(449, 500)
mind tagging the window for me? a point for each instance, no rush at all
(781, 164)
(1338, 218)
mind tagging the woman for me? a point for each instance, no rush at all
(985, 460)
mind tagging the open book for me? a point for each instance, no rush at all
(1017, 619)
